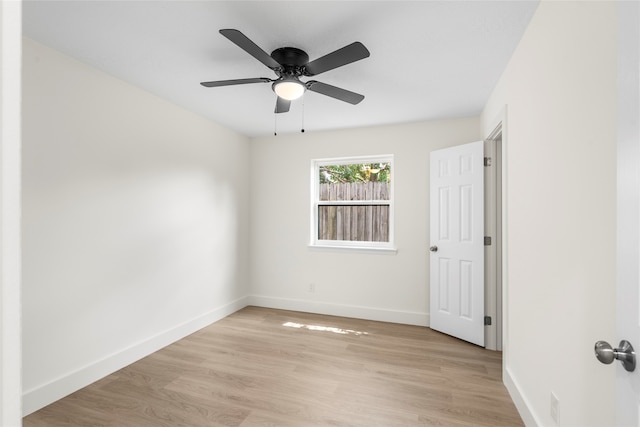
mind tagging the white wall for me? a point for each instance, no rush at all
(560, 92)
(391, 287)
(135, 216)
(10, 329)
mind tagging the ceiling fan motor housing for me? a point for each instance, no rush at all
(290, 56)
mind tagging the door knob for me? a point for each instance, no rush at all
(625, 354)
(433, 249)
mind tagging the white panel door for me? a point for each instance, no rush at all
(457, 241)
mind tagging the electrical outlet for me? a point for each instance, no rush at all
(312, 287)
(555, 408)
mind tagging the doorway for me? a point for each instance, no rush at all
(493, 240)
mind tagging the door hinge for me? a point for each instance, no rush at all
(487, 161)
(487, 320)
(487, 240)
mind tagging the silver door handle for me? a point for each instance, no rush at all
(625, 354)
(433, 248)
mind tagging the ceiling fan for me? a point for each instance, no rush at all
(289, 64)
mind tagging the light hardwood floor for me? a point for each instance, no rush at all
(264, 367)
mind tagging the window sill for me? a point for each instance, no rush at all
(353, 249)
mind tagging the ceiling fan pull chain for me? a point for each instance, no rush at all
(275, 124)
(302, 128)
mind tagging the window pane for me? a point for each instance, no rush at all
(353, 202)
(369, 223)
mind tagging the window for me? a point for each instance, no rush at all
(352, 202)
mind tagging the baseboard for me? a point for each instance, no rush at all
(43, 395)
(521, 402)
(368, 313)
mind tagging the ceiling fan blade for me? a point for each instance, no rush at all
(346, 55)
(282, 105)
(236, 82)
(250, 47)
(335, 92)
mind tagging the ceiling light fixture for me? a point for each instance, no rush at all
(289, 88)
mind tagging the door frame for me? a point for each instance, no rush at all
(10, 264)
(493, 229)
(496, 286)
(627, 385)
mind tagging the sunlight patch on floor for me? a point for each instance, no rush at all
(324, 329)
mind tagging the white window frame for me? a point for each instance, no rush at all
(315, 196)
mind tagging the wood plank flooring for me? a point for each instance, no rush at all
(264, 367)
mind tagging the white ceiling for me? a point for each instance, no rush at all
(429, 59)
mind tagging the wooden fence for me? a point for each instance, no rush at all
(366, 223)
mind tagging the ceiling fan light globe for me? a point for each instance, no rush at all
(288, 89)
